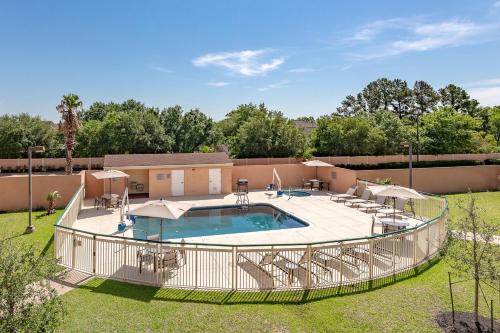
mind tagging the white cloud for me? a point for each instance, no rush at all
(301, 70)
(160, 69)
(486, 95)
(272, 86)
(246, 63)
(218, 83)
(417, 36)
(482, 83)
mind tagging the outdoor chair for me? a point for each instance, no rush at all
(306, 183)
(98, 203)
(365, 197)
(147, 257)
(350, 193)
(398, 210)
(373, 206)
(169, 259)
(264, 262)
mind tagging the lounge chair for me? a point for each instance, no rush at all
(373, 206)
(365, 197)
(264, 262)
(350, 193)
(397, 210)
(294, 262)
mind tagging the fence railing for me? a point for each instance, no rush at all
(249, 267)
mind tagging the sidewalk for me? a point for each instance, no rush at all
(71, 280)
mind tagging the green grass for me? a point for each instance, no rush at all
(407, 303)
(13, 225)
(488, 201)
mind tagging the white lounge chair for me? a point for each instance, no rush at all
(371, 206)
(365, 197)
(349, 194)
(399, 209)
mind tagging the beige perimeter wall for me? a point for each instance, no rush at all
(441, 180)
(14, 190)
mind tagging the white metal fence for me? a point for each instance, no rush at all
(245, 268)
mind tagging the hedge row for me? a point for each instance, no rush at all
(420, 164)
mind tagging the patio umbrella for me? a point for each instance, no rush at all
(110, 174)
(162, 209)
(317, 164)
(395, 191)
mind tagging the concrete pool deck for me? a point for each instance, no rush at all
(328, 220)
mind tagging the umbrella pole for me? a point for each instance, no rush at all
(161, 229)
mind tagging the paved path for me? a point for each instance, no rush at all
(70, 280)
(496, 239)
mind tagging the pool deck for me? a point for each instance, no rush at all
(328, 220)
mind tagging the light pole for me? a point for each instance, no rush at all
(410, 161)
(36, 149)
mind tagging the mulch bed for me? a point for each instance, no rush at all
(464, 323)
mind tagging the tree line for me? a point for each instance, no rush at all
(372, 122)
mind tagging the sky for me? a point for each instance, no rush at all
(300, 57)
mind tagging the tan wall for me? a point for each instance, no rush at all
(140, 176)
(93, 187)
(195, 181)
(441, 180)
(14, 190)
(260, 175)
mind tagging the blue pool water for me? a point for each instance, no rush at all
(217, 221)
(298, 193)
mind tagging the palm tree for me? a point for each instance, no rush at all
(51, 199)
(70, 123)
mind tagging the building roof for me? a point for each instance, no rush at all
(138, 160)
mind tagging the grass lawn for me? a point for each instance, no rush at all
(402, 304)
(488, 201)
(14, 224)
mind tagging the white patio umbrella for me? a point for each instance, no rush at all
(110, 174)
(317, 164)
(162, 209)
(395, 191)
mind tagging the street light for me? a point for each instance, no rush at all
(36, 149)
(410, 162)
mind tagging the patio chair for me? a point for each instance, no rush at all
(397, 210)
(147, 257)
(295, 262)
(97, 202)
(350, 193)
(306, 183)
(373, 206)
(264, 262)
(168, 259)
(365, 198)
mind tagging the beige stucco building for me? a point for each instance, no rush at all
(163, 175)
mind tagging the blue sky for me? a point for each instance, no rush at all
(301, 57)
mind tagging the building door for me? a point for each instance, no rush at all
(214, 181)
(177, 183)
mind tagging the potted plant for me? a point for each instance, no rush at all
(51, 199)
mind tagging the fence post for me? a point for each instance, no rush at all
(415, 241)
(341, 263)
(393, 241)
(309, 273)
(428, 241)
(73, 249)
(125, 260)
(370, 261)
(94, 248)
(196, 266)
(234, 269)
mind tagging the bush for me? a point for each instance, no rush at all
(421, 164)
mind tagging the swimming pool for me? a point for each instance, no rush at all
(298, 193)
(217, 221)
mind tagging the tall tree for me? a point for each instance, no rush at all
(494, 122)
(401, 98)
(457, 98)
(425, 99)
(70, 123)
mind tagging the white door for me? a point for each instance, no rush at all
(214, 181)
(177, 182)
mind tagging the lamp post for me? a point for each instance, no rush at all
(410, 161)
(36, 149)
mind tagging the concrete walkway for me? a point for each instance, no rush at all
(69, 280)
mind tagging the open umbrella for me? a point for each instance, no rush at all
(395, 191)
(162, 209)
(110, 174)
(317, 164)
